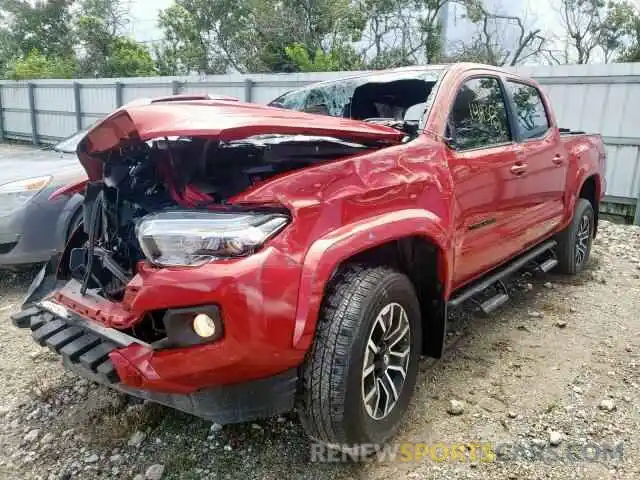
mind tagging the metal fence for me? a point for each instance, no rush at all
(593, 98)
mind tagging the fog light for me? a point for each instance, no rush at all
(204, 325)
(187, 327)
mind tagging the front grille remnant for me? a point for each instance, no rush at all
(76, 344)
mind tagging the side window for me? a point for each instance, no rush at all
(531, 116)
(479, 116)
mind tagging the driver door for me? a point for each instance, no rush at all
(485, 164)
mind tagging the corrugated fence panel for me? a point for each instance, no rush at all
(265, 93)
(593, 98)
(17, 124)
(133, 92)
(623, 171)
(51, 125)
(97, 99)
(15, 96)
(230, 89)
(614, 110)
(593, 110)
(629, 125)
(88, 120)
(54, 98)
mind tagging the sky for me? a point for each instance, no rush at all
(144, 18)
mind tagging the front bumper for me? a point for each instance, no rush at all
(87, 349)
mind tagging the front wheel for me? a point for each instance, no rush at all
(574, 243)
(361, 371)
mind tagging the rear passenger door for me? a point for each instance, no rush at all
(543, 182)
(485, 168)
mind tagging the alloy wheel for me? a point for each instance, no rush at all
(583, 237)
(386, 360)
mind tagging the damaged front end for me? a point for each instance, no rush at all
(161, 291)
(168, 200)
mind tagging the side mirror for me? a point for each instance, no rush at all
(450, 142)
(448, 139)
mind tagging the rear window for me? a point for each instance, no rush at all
(531, 116)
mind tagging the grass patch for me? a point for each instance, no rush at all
(41, 389)
(551, 407)
(114, 423)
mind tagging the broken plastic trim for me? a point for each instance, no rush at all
(266, 140)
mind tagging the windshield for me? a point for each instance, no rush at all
(69, 145)
(398, 95)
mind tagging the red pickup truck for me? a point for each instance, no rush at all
(237, 259)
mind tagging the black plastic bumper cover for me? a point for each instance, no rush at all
(85, 350)
(75, 342)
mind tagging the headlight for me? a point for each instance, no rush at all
(16, 194)
(188, 238)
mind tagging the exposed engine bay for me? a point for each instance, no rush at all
(173, 175)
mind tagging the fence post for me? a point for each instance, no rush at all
(176, 87)
(2, 137)
(32, 110)
(248, 90)
(636, 220)
(77, 105)
(119, 94)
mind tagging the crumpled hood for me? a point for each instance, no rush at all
(220, 119)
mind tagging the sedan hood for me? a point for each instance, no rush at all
(218, 119)
(25, 162)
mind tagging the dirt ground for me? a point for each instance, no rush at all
(548, 387)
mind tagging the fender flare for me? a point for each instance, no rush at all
(327, 253)
(582, 175)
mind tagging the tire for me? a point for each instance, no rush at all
(574, 243)
(357, 305)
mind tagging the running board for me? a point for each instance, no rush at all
(548, 265)
(494, 303)
(481, 285)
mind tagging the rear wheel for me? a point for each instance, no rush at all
(360, 374)
(574, 243)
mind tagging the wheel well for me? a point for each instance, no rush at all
(419, 259)
(591, 191)
(73, 222)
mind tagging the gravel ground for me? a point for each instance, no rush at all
(544, 386)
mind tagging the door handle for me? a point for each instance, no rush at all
(519, 169)
(558, 159)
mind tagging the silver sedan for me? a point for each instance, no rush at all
(32, 226)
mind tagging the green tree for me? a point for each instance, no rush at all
(127, 58)
(338, 59)
(401, 32)
(500, 39)
(105, 52)
(214, 36)
(185, 47)
(631, 52)
(36, 65)
(44, 26)
(594, 29)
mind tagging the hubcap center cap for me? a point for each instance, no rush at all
(386, 359)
